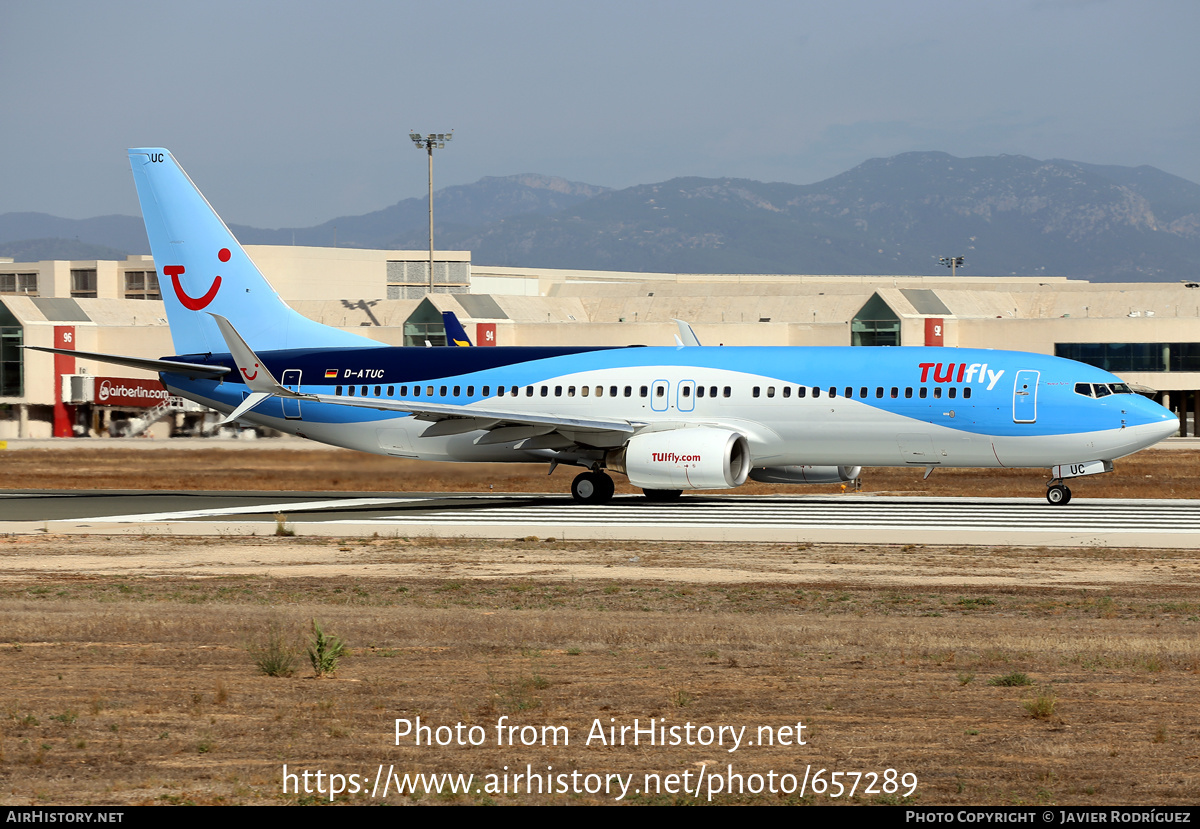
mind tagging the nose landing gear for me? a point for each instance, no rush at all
(1058, 493)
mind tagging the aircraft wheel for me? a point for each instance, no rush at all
(592, 488)
(1058, 495)
(662, 495)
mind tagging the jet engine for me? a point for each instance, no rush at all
(805, 474)
(699, 458)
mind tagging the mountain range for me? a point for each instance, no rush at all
(1005, 214)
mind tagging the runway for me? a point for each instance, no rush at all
(812, 518)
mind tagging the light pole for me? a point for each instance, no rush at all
(951, 262)
(427, 143)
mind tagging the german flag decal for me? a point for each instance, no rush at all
(331, 373)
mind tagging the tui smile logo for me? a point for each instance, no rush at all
(190, 302)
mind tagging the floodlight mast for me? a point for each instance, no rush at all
(953, 263)
(427, 143)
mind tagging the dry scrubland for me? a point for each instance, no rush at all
(142, 688)
(1149, 474)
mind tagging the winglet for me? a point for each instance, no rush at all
(246, 405)
(686, 335)
(257, 376)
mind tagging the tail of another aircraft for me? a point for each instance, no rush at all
(203, 270)
(455, 335)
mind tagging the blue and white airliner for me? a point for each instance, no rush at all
(670, 419)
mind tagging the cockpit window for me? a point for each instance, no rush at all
(1102, 389)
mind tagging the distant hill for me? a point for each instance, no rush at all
(488, 200)
(125, 234)
(35, 250)
(1006, 214)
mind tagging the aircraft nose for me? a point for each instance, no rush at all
(1162, 421)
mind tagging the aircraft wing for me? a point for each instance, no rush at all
(501, 424)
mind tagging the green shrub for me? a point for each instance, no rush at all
(324, 651)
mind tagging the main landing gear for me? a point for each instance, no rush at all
(592, 487)
(1058, 493)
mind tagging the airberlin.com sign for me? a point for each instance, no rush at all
(122, 391)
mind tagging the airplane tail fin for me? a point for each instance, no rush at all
(204, 271)
(455, 335)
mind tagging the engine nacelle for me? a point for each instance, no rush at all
(700, 458)
(805, 474)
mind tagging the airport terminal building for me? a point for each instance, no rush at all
(1146, 333)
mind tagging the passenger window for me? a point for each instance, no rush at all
(558, 391)
(659, 391)
(966, 392)
(862, 392)
(644, 391)
(457, 391)
(416, 391)
(878, 391)
(937, 392)
(728, 391)
(908, 393)
(699, 391)
(924, 392)
(952, 392)
(849, 392)
(755, 392)
(787, 391)
(832, 391)
(612, 391)
(712, 391)
(545, 391)
(528, 391)
(377, 391)
(471, 391)
(443, 392)
(338, 391)
(584, 391)
(629, 391)
(895, 392)
(487, 391)
(364, 392)
(801, 391)
(687, 391)
(816, 392)
(570, 391)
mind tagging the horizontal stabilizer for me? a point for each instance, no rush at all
(192, 370)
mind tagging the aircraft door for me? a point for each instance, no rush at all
(1025, 396)
(660, 395)
(686, 396)
(291, 381)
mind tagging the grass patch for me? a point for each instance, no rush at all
(1016, 679)
(276, 656)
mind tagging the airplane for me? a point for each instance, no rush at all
(671, 419)
(454, 330)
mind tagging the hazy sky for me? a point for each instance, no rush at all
(291, 113)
